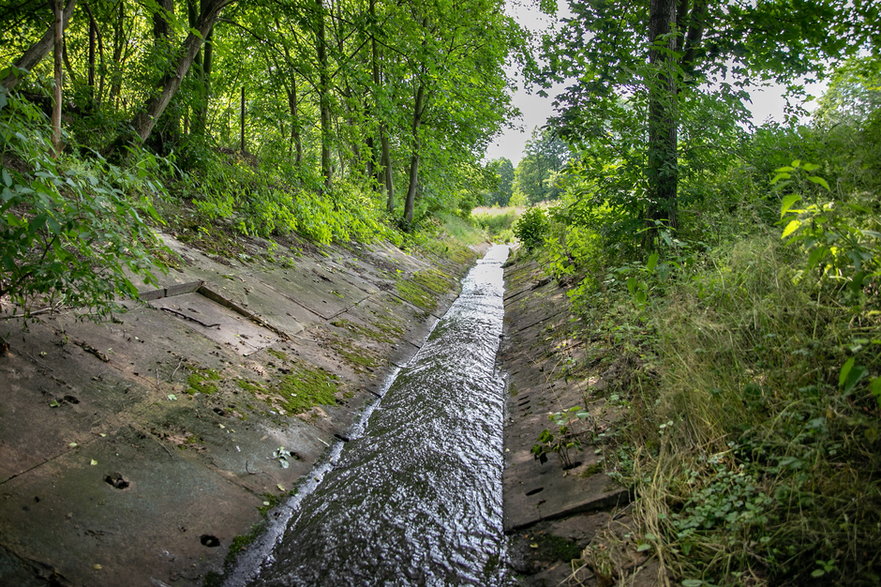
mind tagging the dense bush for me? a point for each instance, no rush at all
(74, 229)
(532, 227)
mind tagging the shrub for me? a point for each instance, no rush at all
(532, 227)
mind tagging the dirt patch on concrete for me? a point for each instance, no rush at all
(137, 450)
(558, 500)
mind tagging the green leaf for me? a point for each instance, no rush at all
(845, 371)
(652, 262)
(875, 387)
(780, 176)
(787, 203)
(817, 255)
(692, 583)
(819, 181)
(810, 167)
(785, 169)
(790, 228)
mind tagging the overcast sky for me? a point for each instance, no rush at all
(766, 103)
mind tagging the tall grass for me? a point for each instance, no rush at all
(497, 222)
(756, 459)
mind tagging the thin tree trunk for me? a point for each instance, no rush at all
(662, 172)
(385, 161)
(200, 114)
(384, 174)
(242, 123)
(118, 46)
(58, 48)
(323, 97)
(36, 52)
(410, 202)
(146, 120)
(93, 34)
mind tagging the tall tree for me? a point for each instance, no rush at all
(36, 52)
(695, 48)
(146, 119)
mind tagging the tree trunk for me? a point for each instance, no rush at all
(200, 114)
(242, 123)
(93, 34)
(384, 175)
(161, 30)
(293, 105)
(36, 52)
(385, 162)
(410, 202)
(118, 46)
(662, 172)
(58, 47)
(323, 95)
(146, 120)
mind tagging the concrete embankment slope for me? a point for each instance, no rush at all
(133, 452)
(553, 511)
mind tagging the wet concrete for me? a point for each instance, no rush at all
(135, 451)
(552, 513)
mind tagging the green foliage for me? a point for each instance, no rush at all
(749, 363)
(532, 227)
(535, 178)
(502, 182)
(261, 200)
(842, 240)
(74, 230)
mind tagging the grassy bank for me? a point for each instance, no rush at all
(745, 347)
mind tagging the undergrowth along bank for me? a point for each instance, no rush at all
(746, 349)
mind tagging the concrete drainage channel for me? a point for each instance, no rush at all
(135, 451)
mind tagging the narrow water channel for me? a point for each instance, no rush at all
(417, 497)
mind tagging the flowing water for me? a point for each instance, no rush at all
(416, 498)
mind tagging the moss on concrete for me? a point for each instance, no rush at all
(201, 380)
(305, 387)
(364, 331)
(278, 354)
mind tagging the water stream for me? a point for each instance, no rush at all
(416, 496)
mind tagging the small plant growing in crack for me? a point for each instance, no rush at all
(562, 438)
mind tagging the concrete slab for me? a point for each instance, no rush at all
(217, 322)
(158, 522)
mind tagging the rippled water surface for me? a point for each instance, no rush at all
(417, 497)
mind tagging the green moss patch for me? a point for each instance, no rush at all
(434, 279)
(417, 294)
(246, 385)
(202, 380)
(363, 331)
(305, 387)
(277, 354)
(361, 359)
